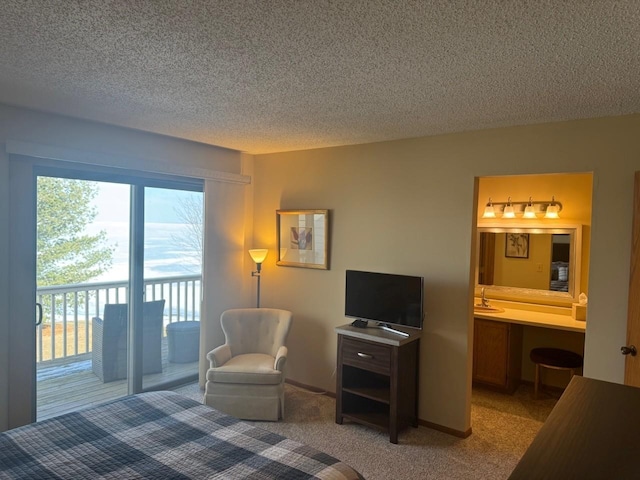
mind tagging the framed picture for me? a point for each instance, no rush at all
(516, 245)
(303, 238)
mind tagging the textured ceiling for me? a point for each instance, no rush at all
(269, 76)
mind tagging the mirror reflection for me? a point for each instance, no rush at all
(542, 260)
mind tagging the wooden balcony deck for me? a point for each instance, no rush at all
(70, 384)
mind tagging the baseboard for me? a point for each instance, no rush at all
(443, 429)
(310, 388)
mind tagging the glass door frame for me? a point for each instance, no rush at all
(22, 268)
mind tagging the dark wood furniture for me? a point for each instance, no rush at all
(377, 379)
(497, 354)
(592, 432)
(555, 359)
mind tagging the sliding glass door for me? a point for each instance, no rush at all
(82, 277)
(172, 282)
(115, 269)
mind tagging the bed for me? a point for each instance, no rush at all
(159, 435)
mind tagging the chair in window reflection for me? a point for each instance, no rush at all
(109, 356)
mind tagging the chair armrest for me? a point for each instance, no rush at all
(97, 329)
(219, 355)
(281, 359)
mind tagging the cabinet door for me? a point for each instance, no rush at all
(491, 352)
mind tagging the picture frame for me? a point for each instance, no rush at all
(303, 238)
(516, 245)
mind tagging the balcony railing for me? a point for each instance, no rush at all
(68, 309)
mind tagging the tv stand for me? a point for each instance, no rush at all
(387, 328)
(377, 378)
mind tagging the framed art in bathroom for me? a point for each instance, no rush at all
(303, 238)
(516, 245)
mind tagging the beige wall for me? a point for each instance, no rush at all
(406, 206)
(409, 207)
(57, 131)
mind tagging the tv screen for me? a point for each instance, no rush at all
(385, 298)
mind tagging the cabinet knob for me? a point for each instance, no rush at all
(630, 350)
(365, 355)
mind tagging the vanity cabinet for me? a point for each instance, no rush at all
(377, 379)
(497, 354)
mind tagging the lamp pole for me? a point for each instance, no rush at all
(257, 274)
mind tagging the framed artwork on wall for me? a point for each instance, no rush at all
(303, 238)
(516, 245)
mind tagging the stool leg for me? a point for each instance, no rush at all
(536, 382)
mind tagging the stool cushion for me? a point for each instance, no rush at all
(556, 357)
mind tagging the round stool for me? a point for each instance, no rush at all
(554, 358)
(183, 341)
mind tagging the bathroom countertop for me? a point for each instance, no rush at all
(535, 319)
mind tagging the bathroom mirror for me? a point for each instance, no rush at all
(534, 264)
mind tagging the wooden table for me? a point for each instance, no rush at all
(592, 433)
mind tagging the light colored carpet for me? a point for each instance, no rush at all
(503, 427)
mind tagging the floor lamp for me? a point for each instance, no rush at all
(258, 255)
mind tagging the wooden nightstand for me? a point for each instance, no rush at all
(377, 379)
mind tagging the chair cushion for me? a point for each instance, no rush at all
(556, 357)
(250, 368)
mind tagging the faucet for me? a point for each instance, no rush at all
(484, 302)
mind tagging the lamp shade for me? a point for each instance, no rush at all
(489, 211)
(509, 212)
(529, 210)
(258, 254)
(552, 211)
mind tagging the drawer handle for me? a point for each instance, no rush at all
(365, 355)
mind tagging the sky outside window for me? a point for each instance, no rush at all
(170, 249)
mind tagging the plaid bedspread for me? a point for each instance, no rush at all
(159, 435)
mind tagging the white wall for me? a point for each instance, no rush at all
(409, 207)
(57, 131)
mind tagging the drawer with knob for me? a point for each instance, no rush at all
(370, 356)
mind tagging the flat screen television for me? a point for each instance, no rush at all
(385, 298)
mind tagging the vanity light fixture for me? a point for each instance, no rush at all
(258, 255)
(510, 209)
(529, 210)
(552, 209)
(489, 211)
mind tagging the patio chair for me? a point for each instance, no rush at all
(109, 356)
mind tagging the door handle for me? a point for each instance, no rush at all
(630, 350)
(365, 355)
(39, 307)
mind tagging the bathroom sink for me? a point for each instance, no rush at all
(488, 309)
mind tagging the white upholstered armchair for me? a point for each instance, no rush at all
(246, 376)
